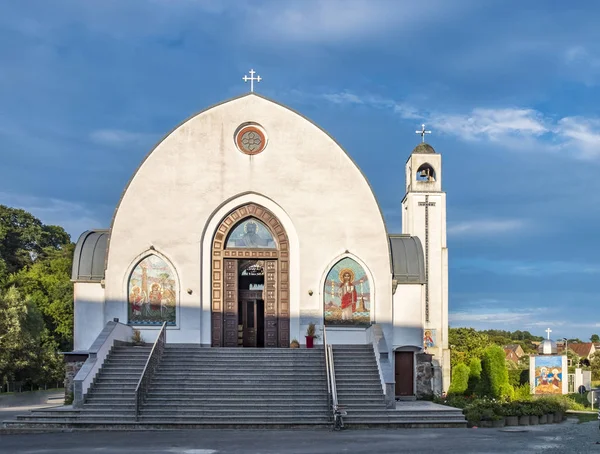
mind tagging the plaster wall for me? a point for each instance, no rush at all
(196, 175)
(88, 313)
(408, 315)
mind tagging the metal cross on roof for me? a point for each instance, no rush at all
(252, 79)
(548, 331)
(422, 133)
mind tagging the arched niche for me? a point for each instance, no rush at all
(425, 172)
(250, 233)
(347, 295)
(152, 292)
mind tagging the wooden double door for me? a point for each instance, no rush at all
(251, 317)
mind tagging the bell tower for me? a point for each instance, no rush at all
(424, 216)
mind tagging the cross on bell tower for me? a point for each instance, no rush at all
(252, 79)
(422, 133)
(548, 331)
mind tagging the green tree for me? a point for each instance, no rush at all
(595, 365)
(23, 238)
(27, 353)
(466, 343)
(494, 374)
(474, 375)
(595, 338)
(47, 284)
(460, 379)
(574, 360)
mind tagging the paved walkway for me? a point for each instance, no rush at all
(569, 437)
(19, 403)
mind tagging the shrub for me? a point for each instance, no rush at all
(474, 375)
(460, 379)
(518, 377)
(454, 400)
(494, 375)
(522, 393)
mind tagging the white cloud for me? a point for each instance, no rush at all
(582, 133)
(118, 137)
(489, 317)
(75, 218)
(485, 227)
(316, 21)
(516, 128)
(492, 124)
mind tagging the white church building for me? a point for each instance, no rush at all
(247, 222)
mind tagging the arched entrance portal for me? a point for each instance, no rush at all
(250, 280)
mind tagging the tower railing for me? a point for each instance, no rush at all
(152, 363)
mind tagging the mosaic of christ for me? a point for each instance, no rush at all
(152, 293)
(347, 294)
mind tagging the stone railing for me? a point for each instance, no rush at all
(113, 331)
(386, 373)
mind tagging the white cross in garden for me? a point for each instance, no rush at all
(548, 331)
(422, 133)
(252, 79)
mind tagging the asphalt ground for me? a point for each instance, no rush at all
(568, 437)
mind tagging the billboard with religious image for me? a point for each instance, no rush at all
(548, 374)
(152, 293)
(347, 294)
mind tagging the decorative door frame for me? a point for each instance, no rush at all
(280, 314)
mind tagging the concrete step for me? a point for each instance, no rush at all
(216, 408)
(233, 374)
(238, 393)
(260, 400)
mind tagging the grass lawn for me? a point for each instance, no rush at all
(585, 417)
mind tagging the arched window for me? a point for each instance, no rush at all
(425, 173)
(347, 294)
(152, 290)
(251, 233)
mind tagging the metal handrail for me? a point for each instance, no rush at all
(337, 411)
(327, 374)
(149, 369)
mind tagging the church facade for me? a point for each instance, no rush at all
(247, 223)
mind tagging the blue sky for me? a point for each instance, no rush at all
(509, 88)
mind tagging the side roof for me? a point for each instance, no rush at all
(89, 257)
(408, 260)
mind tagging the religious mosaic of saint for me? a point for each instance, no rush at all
(251, 233)
(347, 294)
(548, 375)
(152, 298)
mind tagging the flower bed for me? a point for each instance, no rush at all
(495, 413)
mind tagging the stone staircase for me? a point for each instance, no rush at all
(235, 386)
(196, 387)
(360, 392)
(111, 399)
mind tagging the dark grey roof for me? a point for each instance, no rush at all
(423, 148)
(408, 260)
(90, 255)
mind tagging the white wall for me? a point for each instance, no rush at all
(88, 314)
(408, 315)
(196, 175)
